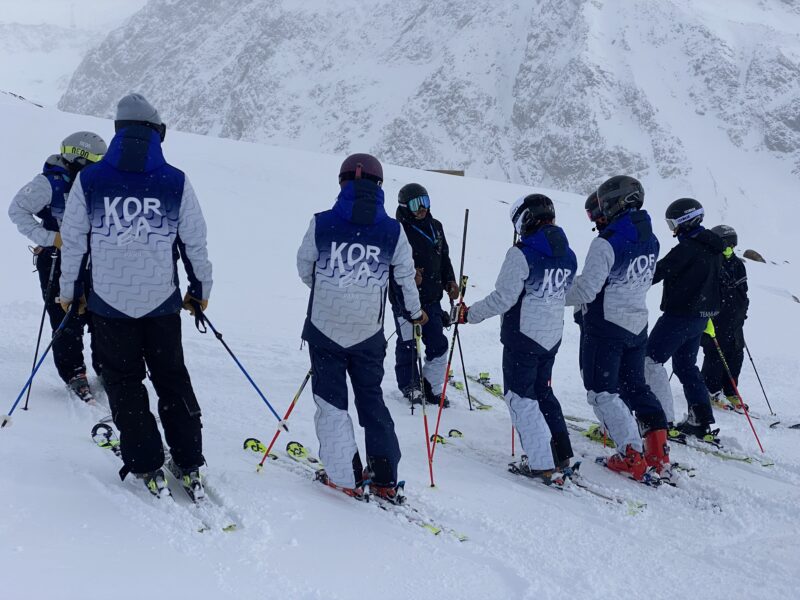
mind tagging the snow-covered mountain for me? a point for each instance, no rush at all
(543, 92)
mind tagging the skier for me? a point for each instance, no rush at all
(434, 275)
(529, 294)
(37, 210)
(613, 287)
(691, 296)
(728, 324)
(347, 257)
(133, 214)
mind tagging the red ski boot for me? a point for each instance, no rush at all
(656, 450)
(631, 464)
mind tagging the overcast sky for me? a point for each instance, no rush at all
(87, 14)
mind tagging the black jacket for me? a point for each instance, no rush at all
(733, 289)
(691, 275)
(431, 253)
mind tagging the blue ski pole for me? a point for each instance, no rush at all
(5, 420)
(201, 319)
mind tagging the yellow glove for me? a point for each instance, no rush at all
(189, 302)
(57, 242)
(710, 329)
(65, 304)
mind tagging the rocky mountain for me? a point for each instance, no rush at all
(549, 92)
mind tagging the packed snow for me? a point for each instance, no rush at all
(71, 528)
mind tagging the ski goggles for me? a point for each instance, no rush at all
(673, 224)
(419, 202)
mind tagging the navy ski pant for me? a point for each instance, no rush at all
(528, 375)
(436, 345)
(616, 366)
(127, 347)
(338, 450)
(678, 338)
(731, 341)
(68, 346)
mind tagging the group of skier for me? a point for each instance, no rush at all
(109, 224)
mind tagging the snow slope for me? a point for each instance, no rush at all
(70, 528)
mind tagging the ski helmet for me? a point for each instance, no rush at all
(532, 211)
(413, 196)
(361, 166)
(83, 147)
(618, 194)
(592, 206)
(728, 235)
(684, 214)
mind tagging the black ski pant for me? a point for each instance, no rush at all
(731, 341)
(67, 347)
(127, 347)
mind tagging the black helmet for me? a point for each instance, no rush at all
(416, 195)
(532, 211)
(361, 166)
(684, 215)
(592, 207)
(728, 235)
(618, 194)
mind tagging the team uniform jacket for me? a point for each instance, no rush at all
(691, 275)
(44, 197)
(733, 288)
(135, 215)
(347, 258)
(530, 291)
(619, 271)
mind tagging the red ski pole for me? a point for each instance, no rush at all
(713, 335)
(285, 417)
(418, 340)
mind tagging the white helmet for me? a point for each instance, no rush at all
(83, 145)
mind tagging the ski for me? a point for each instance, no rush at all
(484, 380)
(709, 448)
(300, 455)
(213, 516)
(725, 406)
(459, 385)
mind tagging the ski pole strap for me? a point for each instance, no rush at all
(199, 317)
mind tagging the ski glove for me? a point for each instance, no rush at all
(421, 319)
(57, 242)
(190, 302)
(65, 304)
(462, 313)
(418, 276)
(710, 329)
(452, 290)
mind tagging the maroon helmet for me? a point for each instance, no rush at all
(361, 166)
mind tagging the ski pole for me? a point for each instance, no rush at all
(5, 420)
(463, 371)
(750, 356)
(513, 435)
(285, 419)
(201, 319)
(462, 290)
(733, 383)
(418, 340)
(53, 258)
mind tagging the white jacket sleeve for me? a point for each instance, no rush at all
(596, 269)
(404, 272)
(32, 198)
(74, 239)
(308, 254)
(193, 234)
(507, 289)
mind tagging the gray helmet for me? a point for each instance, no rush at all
(84, 146)
(728, 235)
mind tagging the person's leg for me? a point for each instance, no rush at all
(405, 355)
(436, 346)
(551, 407)
(665, 338)
(365, 367)
(684, 361)
(712, 370)
(177, 403)
(643, 401)
(337, 443)
(121, 346)
(519, 380)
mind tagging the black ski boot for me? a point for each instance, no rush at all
(79, 385)
(156, 483)
(692, 426)
(190, 479)
(546, 476)
(432, 398)
(413, 395)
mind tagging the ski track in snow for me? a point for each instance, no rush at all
(71, 526)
